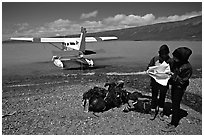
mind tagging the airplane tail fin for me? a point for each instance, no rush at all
(82, 42)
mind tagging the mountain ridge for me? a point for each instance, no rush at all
(189, 29)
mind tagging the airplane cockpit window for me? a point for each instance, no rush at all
(72, 43)
(67, 44)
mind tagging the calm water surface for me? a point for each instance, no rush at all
(35, 58)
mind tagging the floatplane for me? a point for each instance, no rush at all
(72, 50)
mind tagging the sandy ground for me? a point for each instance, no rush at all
(48, 107)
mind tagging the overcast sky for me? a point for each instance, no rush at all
(37, 19)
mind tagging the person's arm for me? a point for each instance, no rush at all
(182, 76)
(151, 63)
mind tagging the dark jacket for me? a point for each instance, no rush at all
(182, 70)
(181, 76)
(154, 60)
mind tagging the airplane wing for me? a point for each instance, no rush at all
(95, 39)
(48, 40)
(22, 39)
(60, 40)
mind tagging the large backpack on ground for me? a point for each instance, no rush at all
(99, 99)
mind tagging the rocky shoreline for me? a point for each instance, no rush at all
(52, 104)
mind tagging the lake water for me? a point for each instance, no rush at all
(35, 58)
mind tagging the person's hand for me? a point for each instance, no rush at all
(170, 73)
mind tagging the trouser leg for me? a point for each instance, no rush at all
(176, 95)
(154, 97)
(162, 96)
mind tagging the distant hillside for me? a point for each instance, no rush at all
(189, 29)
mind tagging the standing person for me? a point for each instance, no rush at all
(157, 105)
(182, 71)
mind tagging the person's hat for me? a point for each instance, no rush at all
(182, 53)
(164, 49)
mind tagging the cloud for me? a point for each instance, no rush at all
(22, 29)
(119, 21)
(130, 20)
(22, 26)
(125, 21)
(59, 26)
(177, 17)
(59, 23)
(89, 15)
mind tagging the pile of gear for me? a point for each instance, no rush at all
(100, 99)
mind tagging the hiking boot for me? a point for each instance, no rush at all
(153, 115)
(168, 119)
(161, 116)
(169, 128)
(127, 109)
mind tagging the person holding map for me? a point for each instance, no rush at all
(157, 105)
(181, 73)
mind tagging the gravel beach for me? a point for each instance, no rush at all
(52, 105)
